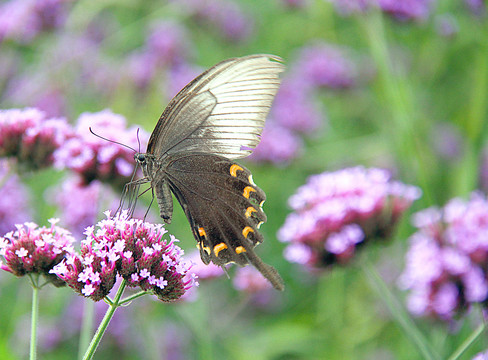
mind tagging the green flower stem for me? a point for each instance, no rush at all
(399, 313)
(404, 126)
(468, 342)
(104, 324)
(132, 297)
(86, 327)
(34, 318)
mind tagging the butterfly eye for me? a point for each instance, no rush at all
(141, 158)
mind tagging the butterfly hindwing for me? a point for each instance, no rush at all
(221, 202)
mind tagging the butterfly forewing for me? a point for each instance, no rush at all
(222, 111)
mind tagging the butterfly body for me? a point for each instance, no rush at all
(216, 118)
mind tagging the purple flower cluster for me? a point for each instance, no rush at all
(399, 9)
(14, 200)
(226, 17)
(335, 212)
(23, 20)
(30, 137)
(166, 46)
(34, 250)
(133, 249)
(295, 110)
(80, 203)
(325, 65)
(446, 265)
(94, 158)
(249, 280)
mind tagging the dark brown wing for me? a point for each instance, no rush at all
(224, 208)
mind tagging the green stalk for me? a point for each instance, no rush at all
(86, 327)
(467, 343)
(399, 313)
(104, 324)
(398, 98)
(34, 319)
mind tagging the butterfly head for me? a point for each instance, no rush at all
(142, 160)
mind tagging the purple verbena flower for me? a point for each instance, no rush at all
(23, 20)
(399, 9)
(14, 199)
(294, 107)
(95, 158)
(477, 7)
(30, 137)
(295, 4)
(335, 212)
(446, 264)
(34, 250)
(278, 145)
(326, 65)
(249, 280)
(132, 249)
(79, 202)
(168, 43)
(226, 16)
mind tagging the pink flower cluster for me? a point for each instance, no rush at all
(132, 249)
(446, 267)
(34, 250)
(335, 212)
(31, 137)
(94, 158)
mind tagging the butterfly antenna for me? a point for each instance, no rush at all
(138, 140)
(115, 142)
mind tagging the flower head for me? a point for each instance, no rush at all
(95, 158)
(336, 212)
(30, 137)
(446, 264)
(132, 249)
(34, 250)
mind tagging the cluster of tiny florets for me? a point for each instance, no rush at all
(133, 249)
(335, 212)
(34, 250)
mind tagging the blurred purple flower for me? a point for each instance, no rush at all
(295, 4)
(446, 25)
(94, 158)
(168, 43)
(14, 200)
(34, 250)
(336, 212)
(79, 203)
(30, 137)
(400, 9)
(132, 249)
(22, 20)
(447, 140)
(407, 9)
(477, 7)
(250, 280)
(225, 16)
(325, 65)
(278, 145)
(294, 107)
(446, 264)
(178, 76)
(481, 356)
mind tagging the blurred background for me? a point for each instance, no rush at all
(401, 85)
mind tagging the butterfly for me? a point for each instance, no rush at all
(217, 118)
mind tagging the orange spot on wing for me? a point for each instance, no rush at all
(240, 249)
(234, 168)
(218, 248)
(249, 211)
(201, 232)
(247, 191)
(247, 230)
